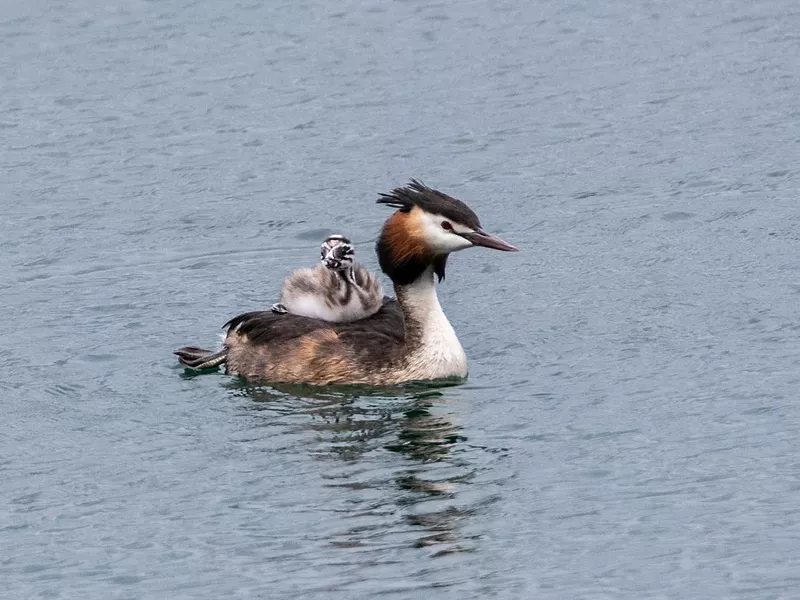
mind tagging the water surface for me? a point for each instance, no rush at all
(629, 428)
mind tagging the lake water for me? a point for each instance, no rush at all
(630, 425)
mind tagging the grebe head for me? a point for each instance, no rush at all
(428, 226)
(337, 253)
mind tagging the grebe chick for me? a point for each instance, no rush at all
(338, 289)
(408, 339)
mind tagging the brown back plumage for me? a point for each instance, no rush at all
(294, 349)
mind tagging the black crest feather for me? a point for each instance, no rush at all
(433, 201)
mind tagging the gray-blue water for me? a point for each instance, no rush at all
(631, 421)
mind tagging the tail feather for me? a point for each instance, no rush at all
(198, 358)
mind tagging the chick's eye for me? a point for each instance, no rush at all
(446, 226)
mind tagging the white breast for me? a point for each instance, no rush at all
(439, 354)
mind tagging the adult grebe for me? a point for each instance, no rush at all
(408, 339)
(338, 289)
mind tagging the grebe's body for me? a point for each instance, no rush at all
(336, 290)
(408, 339)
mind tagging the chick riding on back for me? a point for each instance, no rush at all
(337, 290)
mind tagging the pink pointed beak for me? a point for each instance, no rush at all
(487, 240)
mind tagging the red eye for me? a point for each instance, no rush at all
(446, 226)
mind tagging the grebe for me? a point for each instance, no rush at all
(408, 339)
(336, 290)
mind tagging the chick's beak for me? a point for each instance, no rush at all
(481, 238)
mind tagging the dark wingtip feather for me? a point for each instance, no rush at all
(198, 358)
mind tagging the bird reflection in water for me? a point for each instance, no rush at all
(397, 454)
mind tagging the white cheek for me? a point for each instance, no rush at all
(452, 242)
(440, 239)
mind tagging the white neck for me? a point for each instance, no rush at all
(434, 351)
